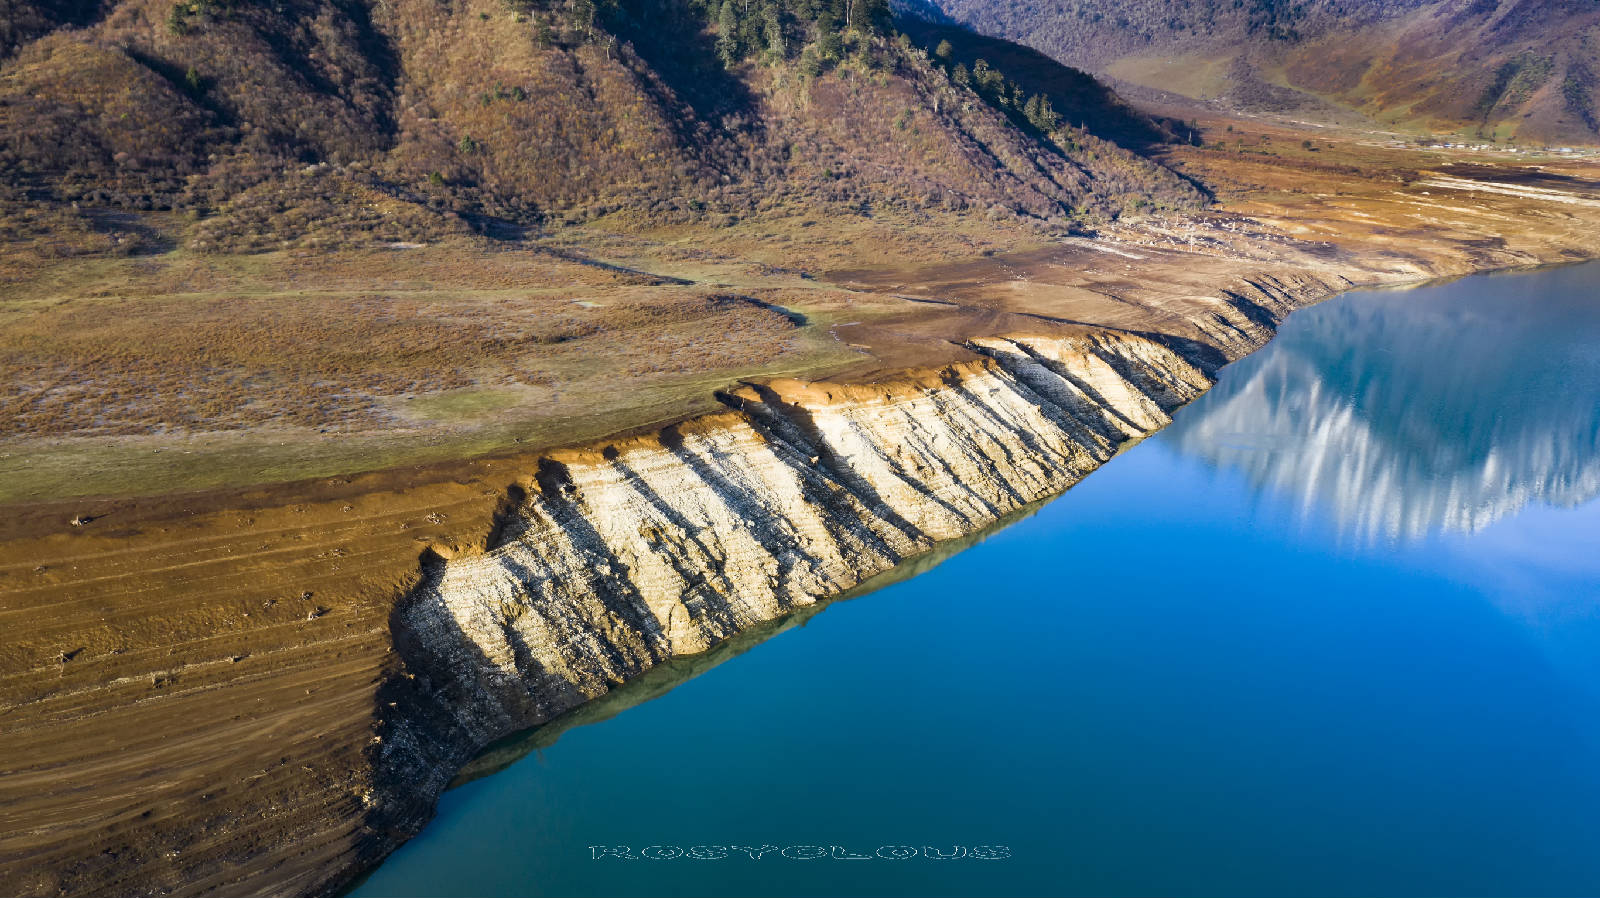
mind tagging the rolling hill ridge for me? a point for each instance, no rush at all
(330, 122)
(1508, 70)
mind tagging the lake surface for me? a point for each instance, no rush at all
(1335, 631)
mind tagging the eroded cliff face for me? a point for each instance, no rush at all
(608, 562)
(217, 693)
(552, 579)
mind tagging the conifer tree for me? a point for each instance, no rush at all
(728, 34)
(773, 28)
(867, 15)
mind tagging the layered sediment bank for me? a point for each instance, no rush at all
(609, 561)
(582, 570)
(263, 690)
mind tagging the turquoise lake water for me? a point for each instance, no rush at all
(1334, 631)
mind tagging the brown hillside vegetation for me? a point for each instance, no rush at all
(1521, 70)
(267, 225)
(320, 123)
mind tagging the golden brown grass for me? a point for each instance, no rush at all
(183, 370)
(100, 367)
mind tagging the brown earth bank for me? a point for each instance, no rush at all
(257, 680)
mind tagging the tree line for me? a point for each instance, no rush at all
(780, 28)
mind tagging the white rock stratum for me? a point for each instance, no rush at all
(610, 561)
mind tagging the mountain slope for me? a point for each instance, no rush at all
(1503, 69)
(321, 122)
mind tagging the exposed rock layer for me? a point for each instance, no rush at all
(200, 693)
(608, 562)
